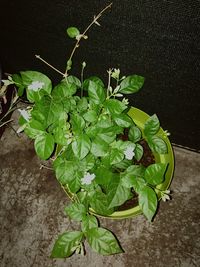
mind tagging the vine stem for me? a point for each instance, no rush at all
(51, 66)
(86, 30)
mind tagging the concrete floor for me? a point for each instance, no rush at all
(31, 216)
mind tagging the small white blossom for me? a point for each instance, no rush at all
(165, 195)
(24, 114)
(87, 178)
(125, 101)
(115, 74)
(35, 86)
(129, 153)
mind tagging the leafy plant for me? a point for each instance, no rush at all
(80, 124)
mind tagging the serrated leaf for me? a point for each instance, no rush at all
(72, 32)
(134, 134)
(76, 211)
(103, 241)
(81, 146)
(154, 173)
(96, 93)
(148, 202)
(152, 125)
(114, 106)
(44, 145)
(89, 222)
(157, 145)
(131, 84)
(65, 244)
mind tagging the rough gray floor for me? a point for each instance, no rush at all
(31, 216)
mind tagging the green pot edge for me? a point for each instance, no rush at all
(139, 117)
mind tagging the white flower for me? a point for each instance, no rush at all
(125, 101)
(115, 74)
(87, 178)
(129, 154)
(165, 195)
(24, 114)
(35, 86)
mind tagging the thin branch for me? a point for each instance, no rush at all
(86, 30)
(51, 66)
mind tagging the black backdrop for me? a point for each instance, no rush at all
(158, 39)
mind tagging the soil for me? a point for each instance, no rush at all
(146, 160)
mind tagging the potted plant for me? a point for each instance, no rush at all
(111, 160)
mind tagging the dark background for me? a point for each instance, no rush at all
(158, 39)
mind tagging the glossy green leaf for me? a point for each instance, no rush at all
(152, 125)
(122, 120)
(99, 147)
(116, 156)
(96, 93)
(103, 241)
(103, 175)
(131, 84)
(34, 128)
(134, 134)
(90, 116)
(114, 106)
(65, 171)
(154, 173)
(66, 244)
(99, 203)
(129, 178)
(73, 80)
(148, 202)
(44, 145)
(76, 211)
(33, 77)
(77, 122)
(95, 79)
(117, 194)
(81, 146)
(64, 89)
(157, 145)
(138, 152)
(72, 32)
(89, 222)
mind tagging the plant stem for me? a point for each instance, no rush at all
(6, 122)
(86, 30)
(109, 79)
(51, 66)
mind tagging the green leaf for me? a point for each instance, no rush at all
(103, 175)
(76, 211)
(134, 134)
(114, 106)
(131, 84)
(81, 146)
(75, 184)
(117, 194)
(90, 116)
(19, 83)
(148, 202)
(34, 128)
(129, 178)
(66, 244)
(151, 126)
(99, 202)
(44, 145)
(157, 145)
(72, 32)
(122, 120)
(64, 89)
(99, 147)
(138, 152)
(89, 222)
(77, 122)
(73, 80)
(154, 173)
(103, 241)
(30, 77)
(82, 104)
(65, 171)
(96, 93)
(116, 156)
(95, 79)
